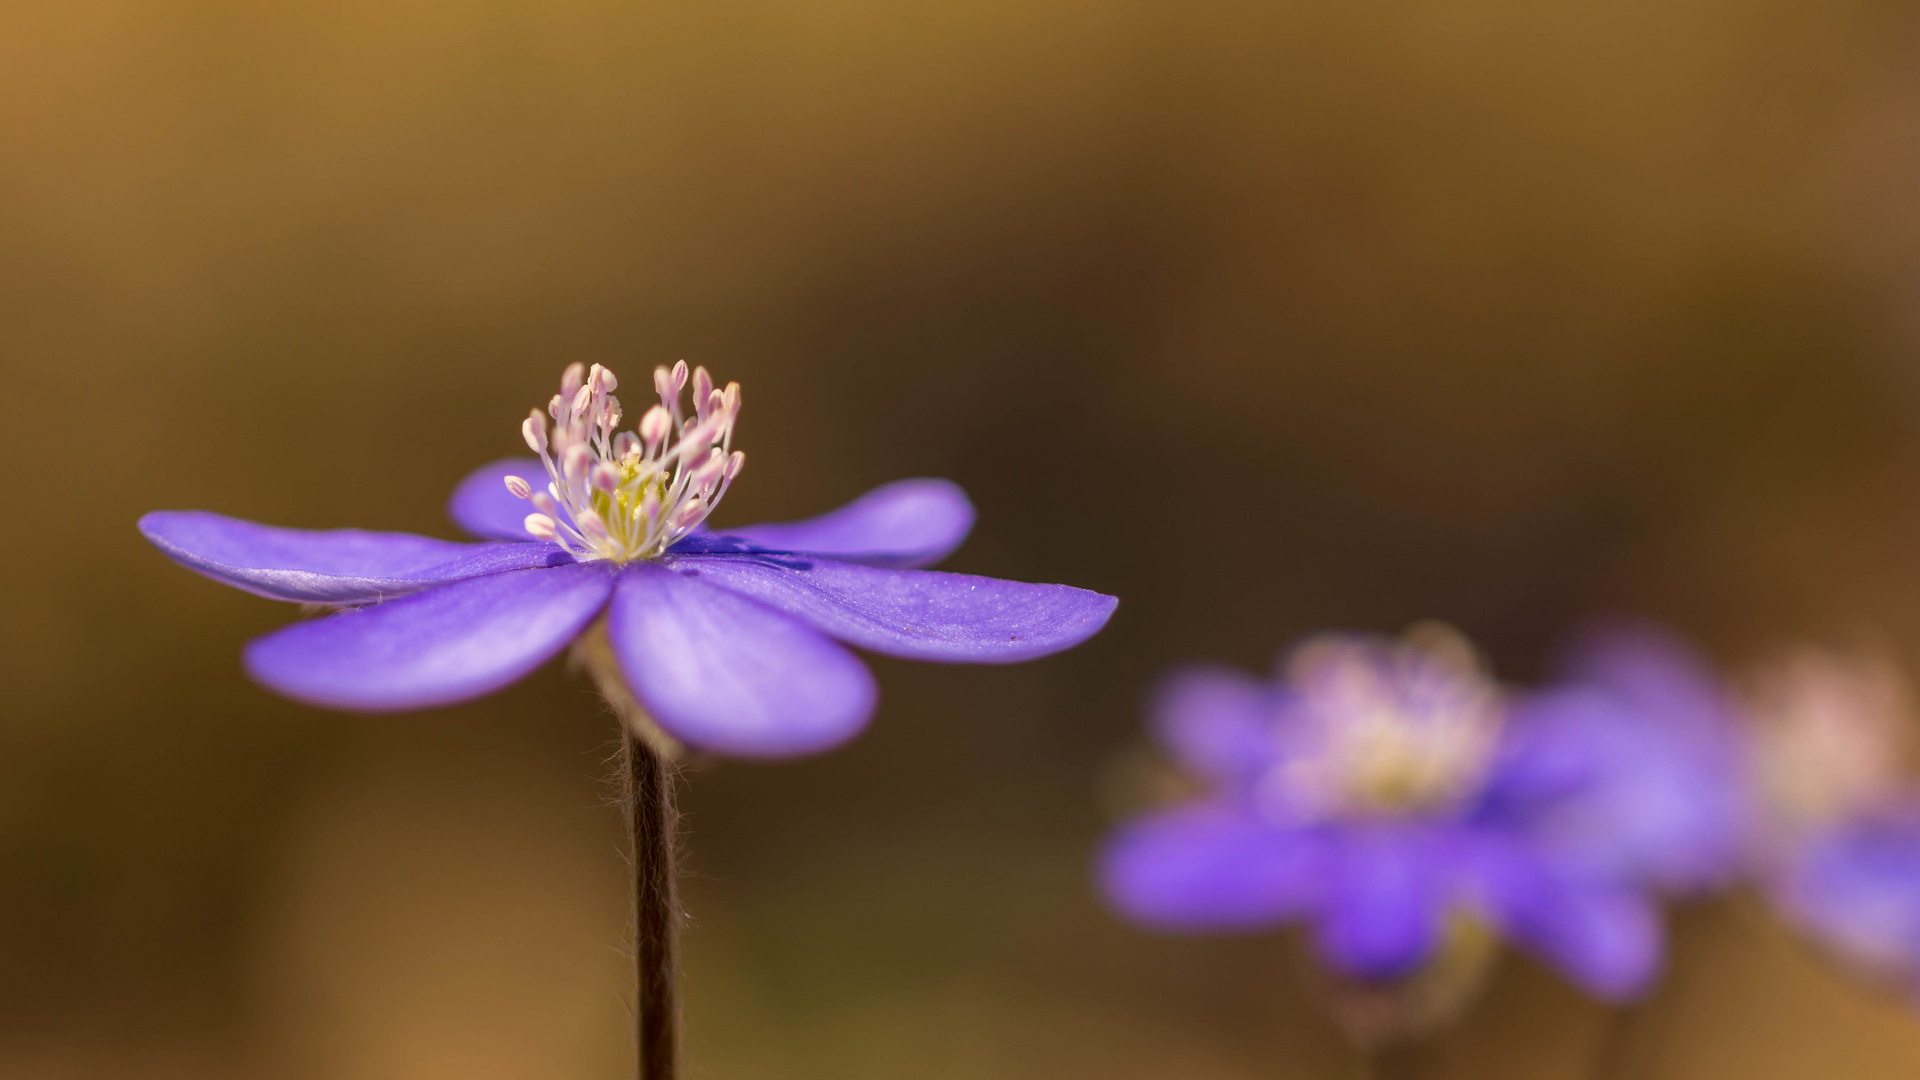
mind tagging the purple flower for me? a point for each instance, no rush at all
(733, 642)
(1837, 843)
(1632, 763)
(1385, 793)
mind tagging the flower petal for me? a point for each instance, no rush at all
(1207, 868)
(1216, 720)
(332, 566)
(1651, 671)
(908, 523)
(1615, 785)
(437, 647)
(919, 614)
(729, 675)
(1858, 889)
(1602, 933)
(1382, 904)
(483, 506)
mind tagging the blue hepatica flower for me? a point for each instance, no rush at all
(1838, 838)
(1382, 791)
(731, 641)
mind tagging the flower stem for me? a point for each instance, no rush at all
(652, 819)
(653, 822)
(1397, 1059)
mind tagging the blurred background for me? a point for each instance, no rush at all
(1267, 317)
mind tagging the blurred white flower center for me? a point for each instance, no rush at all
(1379, 728)
(1828, 735)
(624, 495)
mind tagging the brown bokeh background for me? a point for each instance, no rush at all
(1265, 316)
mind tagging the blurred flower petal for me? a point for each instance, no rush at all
(1858, 889)
(1383, 903)
(1603, 933)
(1613, 783)
(1206, 868)
(1217, 721)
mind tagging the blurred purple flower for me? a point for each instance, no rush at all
(1381, 791)
(1631, 763)
(728, 640)
(1838, 842)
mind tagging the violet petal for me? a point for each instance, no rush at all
(331, 566)
(1858, 889)
(1217, 721)
(1208, 868)
(483, 506)
(1381, 906)
(726, 674)
(1602, 933)
(1612, 784)
(908, 523)
(918, 614)
(436, 647)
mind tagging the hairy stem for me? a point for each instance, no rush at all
(652, 819)
(647, 796)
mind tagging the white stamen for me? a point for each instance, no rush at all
(576, 458)
(591, 526)
(540, 527)
(702, 393)
(689, 514)
(1382, 727)
(710, 470)
(654, 427)
(631, 494)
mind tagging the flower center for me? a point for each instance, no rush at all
(1384, 728)
(1827, 743)
(625, 495)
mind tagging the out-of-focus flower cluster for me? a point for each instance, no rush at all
(1394, 801)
